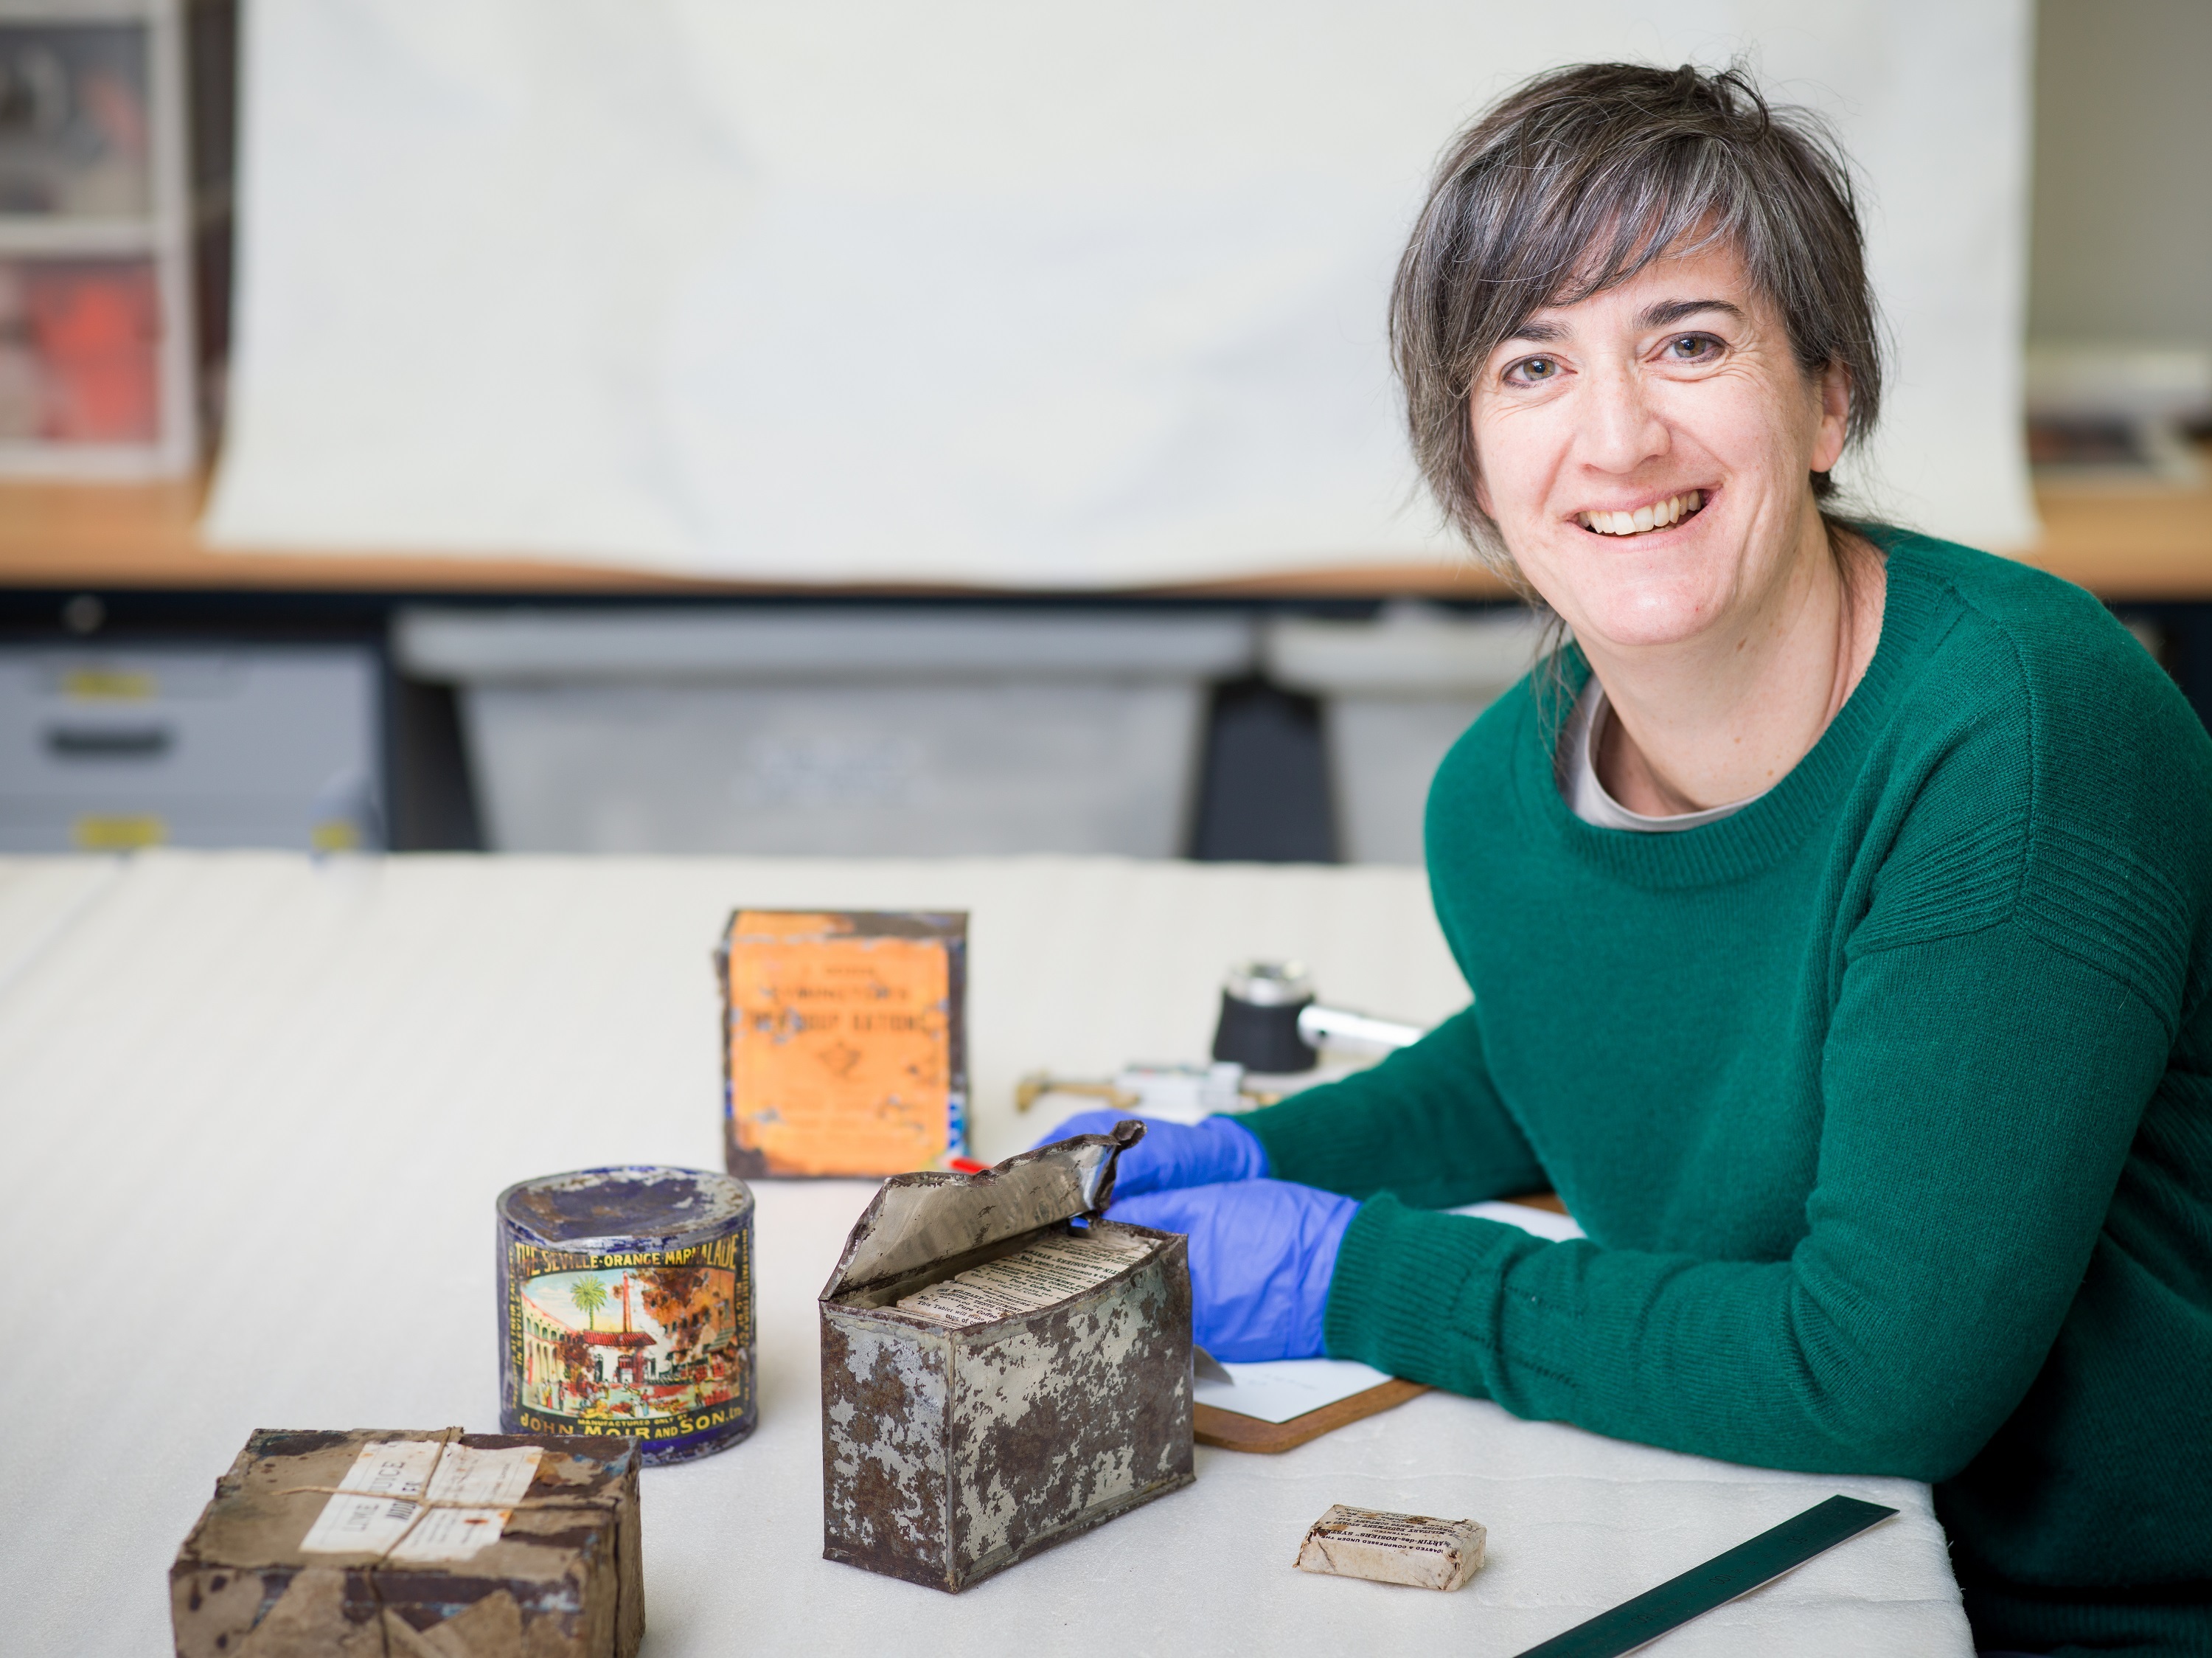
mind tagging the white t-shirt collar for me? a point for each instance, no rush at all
(1586, 796)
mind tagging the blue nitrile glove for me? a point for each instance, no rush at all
(1262, 1255)
(1172, 1154)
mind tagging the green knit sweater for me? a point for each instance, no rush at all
(1886, 1104)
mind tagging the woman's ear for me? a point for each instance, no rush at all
(1833, 389)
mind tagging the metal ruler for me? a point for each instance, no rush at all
(1720, 1580)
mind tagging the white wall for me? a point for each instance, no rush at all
(2122, 225)
(979, 290)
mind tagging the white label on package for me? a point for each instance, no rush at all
(386, 1473)
(389, 1475)
(496, 1480)
(1047, 1272)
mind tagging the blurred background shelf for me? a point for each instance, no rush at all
(2121, 543)
(146, 536)
(101, 227)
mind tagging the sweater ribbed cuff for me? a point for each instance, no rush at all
(1280, 1141)
(1406, 1279)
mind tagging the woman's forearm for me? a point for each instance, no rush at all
(1970, 1150)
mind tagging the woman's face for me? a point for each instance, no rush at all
(1645, 452)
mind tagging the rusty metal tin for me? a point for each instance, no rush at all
(951, 1451)
(626, 1307)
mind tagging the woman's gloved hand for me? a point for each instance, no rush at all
(1172, 1154)
(1262, 1255)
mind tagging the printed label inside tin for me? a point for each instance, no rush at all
(653, 1345)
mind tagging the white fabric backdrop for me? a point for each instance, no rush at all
(980, 291)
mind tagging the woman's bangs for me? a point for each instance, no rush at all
(1625, 222)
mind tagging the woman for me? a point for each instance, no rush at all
(1836, 910)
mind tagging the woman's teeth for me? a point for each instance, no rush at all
(1672, 510)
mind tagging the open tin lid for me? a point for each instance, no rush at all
(917, 1220)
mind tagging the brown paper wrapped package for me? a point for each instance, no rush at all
(564, 1580)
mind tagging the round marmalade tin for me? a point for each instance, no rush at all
(626, 1306)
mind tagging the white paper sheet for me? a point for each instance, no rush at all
(1279, 1389)
(1035, 295)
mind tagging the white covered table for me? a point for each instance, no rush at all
(254, 1111)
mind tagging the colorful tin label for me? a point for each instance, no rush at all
(611, 1335)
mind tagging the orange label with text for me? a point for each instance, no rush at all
(841, 1041)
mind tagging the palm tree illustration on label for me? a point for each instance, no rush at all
(668, 1348)
(590, 1296)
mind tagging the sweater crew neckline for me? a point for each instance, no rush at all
(1755, 838)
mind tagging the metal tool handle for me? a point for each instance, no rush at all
(1340, 1027)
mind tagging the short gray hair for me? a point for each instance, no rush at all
(1577, 179)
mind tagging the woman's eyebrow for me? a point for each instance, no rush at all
(1674, 310)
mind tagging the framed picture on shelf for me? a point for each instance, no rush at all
(95, 241)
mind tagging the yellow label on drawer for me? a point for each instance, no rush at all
(118, 834)
(337, 835)
(108, 685)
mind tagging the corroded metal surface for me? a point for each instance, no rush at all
(886, 1439)
(949, 1452)
(1069, 1416)
(919, 1220)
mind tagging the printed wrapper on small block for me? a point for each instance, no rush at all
(1412, 1549)
(844, 1041)
(561, 1577)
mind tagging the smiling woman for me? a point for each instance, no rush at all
(1636, 335)
(1653, 464)
(1840, 934)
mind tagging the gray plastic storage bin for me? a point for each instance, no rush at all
(837, 733)
(249, 746)
(1397, 692)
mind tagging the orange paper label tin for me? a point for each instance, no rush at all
(845, 1046)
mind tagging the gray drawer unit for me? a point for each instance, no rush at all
(251, 746)
(921, 733)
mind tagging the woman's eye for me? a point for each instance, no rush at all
(1693, 348)
(1533, 370)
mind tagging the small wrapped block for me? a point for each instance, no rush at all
(1412, 1549)
(370, 1544)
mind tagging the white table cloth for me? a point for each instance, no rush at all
(254, 1111)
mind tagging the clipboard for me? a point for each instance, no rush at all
(1211, 1425)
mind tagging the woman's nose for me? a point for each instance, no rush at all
(1619, 429)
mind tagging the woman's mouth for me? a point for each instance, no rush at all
(1658, 517)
